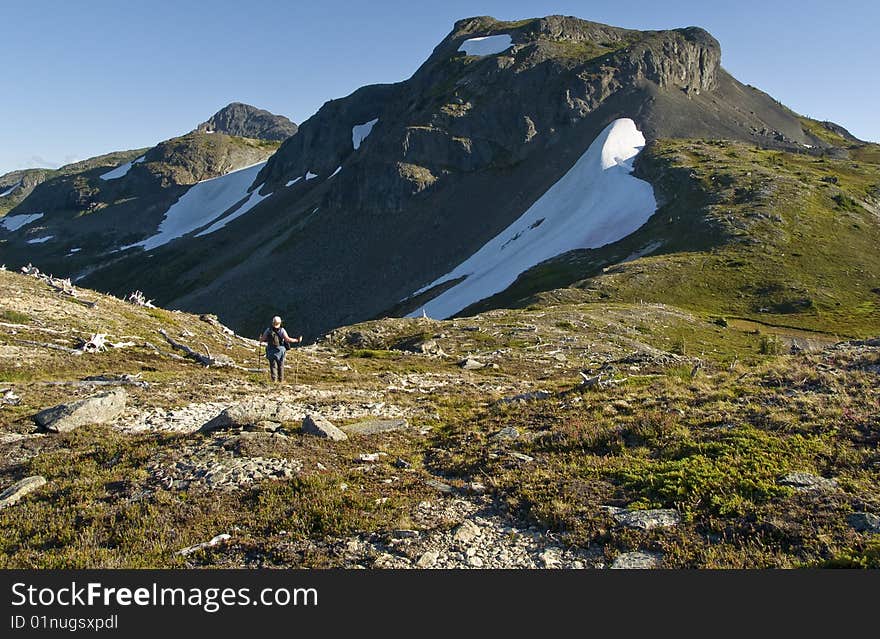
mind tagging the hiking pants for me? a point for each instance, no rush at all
(276, 363)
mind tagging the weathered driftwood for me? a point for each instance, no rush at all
(202, 358)
(139, 299)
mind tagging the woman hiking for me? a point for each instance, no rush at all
(277, 341)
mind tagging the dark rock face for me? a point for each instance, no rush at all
(246, 121)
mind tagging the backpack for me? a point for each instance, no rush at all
(274, 338)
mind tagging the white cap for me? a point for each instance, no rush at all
(276, 321)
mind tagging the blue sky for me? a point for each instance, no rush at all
(83, 78)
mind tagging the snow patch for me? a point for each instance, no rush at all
(15, 222)
(74, 250)
(360, 131)
(40, 240)
(310, 175)
(338, 169)
(596, 202)
(254, 199)
(294, 181)
(120, 171)
(10, 189)
(203, 204)
(487, 45)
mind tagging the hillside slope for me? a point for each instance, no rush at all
(754, 459)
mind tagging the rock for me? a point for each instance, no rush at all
(18, 490)
(476, 487)
(98, 409)
(428, 559)
(250, 413)
(508, 433)
(524, 397)
(405, 533)
(374, 426)
(368, 457)
(439, 485)
(864, 522)
(805, 482)
(466, 532)
(420, 346)
(645, 519)
(471, 364)
(550, 558)
(317, 425)
(638, 560)
(521, 456)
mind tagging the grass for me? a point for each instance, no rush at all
(745, 232)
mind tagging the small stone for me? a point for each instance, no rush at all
(521, 456)
(471, 364)
(638, 560)
(317, 425)
(550, 558)
(475, 562)
(806, 482)
(439, 485)
(508, 433)
(466, 532)
(18, 490)
(524, 397)
(402, 463)
(405, 533)
(428, 559)
(864, 522)
(368, 457)
(645, 519)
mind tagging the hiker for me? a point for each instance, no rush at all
(277, 341)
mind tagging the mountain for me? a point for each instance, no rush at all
(245, 121)
(74, 218)
(523, 163)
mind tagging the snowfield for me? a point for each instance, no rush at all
(40, 240)
(487, 45)
(15, 222)
(121, 171)
(10, 189)
(360, 131)
(203, 204)
(597, 202)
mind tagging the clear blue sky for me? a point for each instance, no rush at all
(81, 78)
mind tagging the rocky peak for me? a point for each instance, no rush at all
(246, 121)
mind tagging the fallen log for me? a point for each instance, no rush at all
(202, 358)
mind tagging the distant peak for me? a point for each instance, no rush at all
(244, 120)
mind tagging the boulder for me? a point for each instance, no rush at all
(254, 412)
(374, 426)
(317, 425)
(645, 519)
(98, 409)
(18, 490)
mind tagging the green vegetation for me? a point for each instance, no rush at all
(781, 238)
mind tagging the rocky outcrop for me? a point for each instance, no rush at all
(251, 413)
(98, 409)
(645, 519)
(246, 121)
